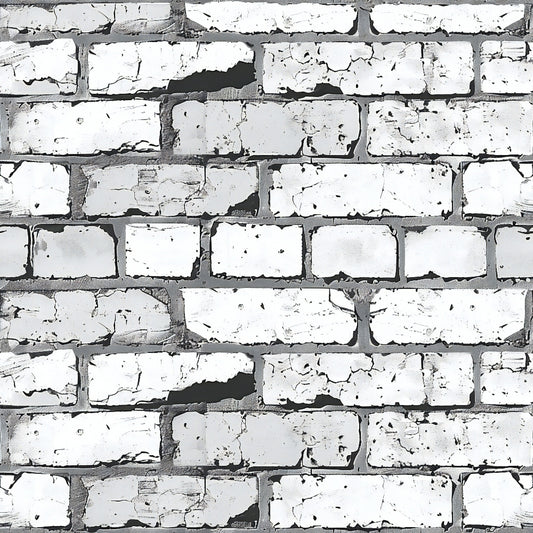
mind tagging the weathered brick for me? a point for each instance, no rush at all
(259, 315)
(144, 66)
(458, 127)
(34, 500)
(132, 378)
(257, 250)
(446, 251)
(386, 500)
(463, 316)
(368, 379)
(449, 439)
(270, 17)
(353, 250)
(396, 189)
(369, 68)
(14, 244)
(121, 316)
(73, 252)
(84, 439)
(162, 249)
(38, 379)
(168, 501)
(514, 252)
(317, 127)
(313, 439)
(84, 127)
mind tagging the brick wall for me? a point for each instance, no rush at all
(266, 265)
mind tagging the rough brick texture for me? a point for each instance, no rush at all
(266, 265)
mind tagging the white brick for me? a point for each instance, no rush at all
(449, 439)
(34, 500)
(498, 499)
(133, 17)
(384, 501)
(446, 251)
(257, 250)
(355, 251)
(84, 127)
(62, 439)
(455, 128)
(267, 17)
(397, 189)
(73, 252)
(258, 315)
(368, 68)
(132, 378)
(14, 245)
(34, 189)
(32, 68)
(162, 249)
(122, 316)
(318, 127)
(38, 379)
(167, 190)
(506, 67)
(167, 501)
(459, 18)
(506, 378)
(312, 439)
(357, 379)
(144, 66)
(495, 188)
(461, 316)
(514, 252)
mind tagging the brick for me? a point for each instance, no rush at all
(458, 18)
(371, 190)
(365, 380)
(267, 17)
(84, 439)
(123, 316)
(368, 68)
(260, 315)
(257, 250)
(495, 188)
(462, 316)
(355, 251)
(449, 439)
(14, 245)
(127, 18)
(389, 500)
(506, 378)
(313, 439)
(514, 252)
(73, 252)
(38, 379)
(445, 251)
(34, 68)
(168, 190)
(317, 127)
(133, 378)
(168, 501)
(34, 500)
(497, 499)
(458, 127)
(162, 249)
(506, 67)
(85, 127)
(33, 189)
(145, 66)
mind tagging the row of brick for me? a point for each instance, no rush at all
(218, 501)
(352, 379)
(260, 250)
(263, 316)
